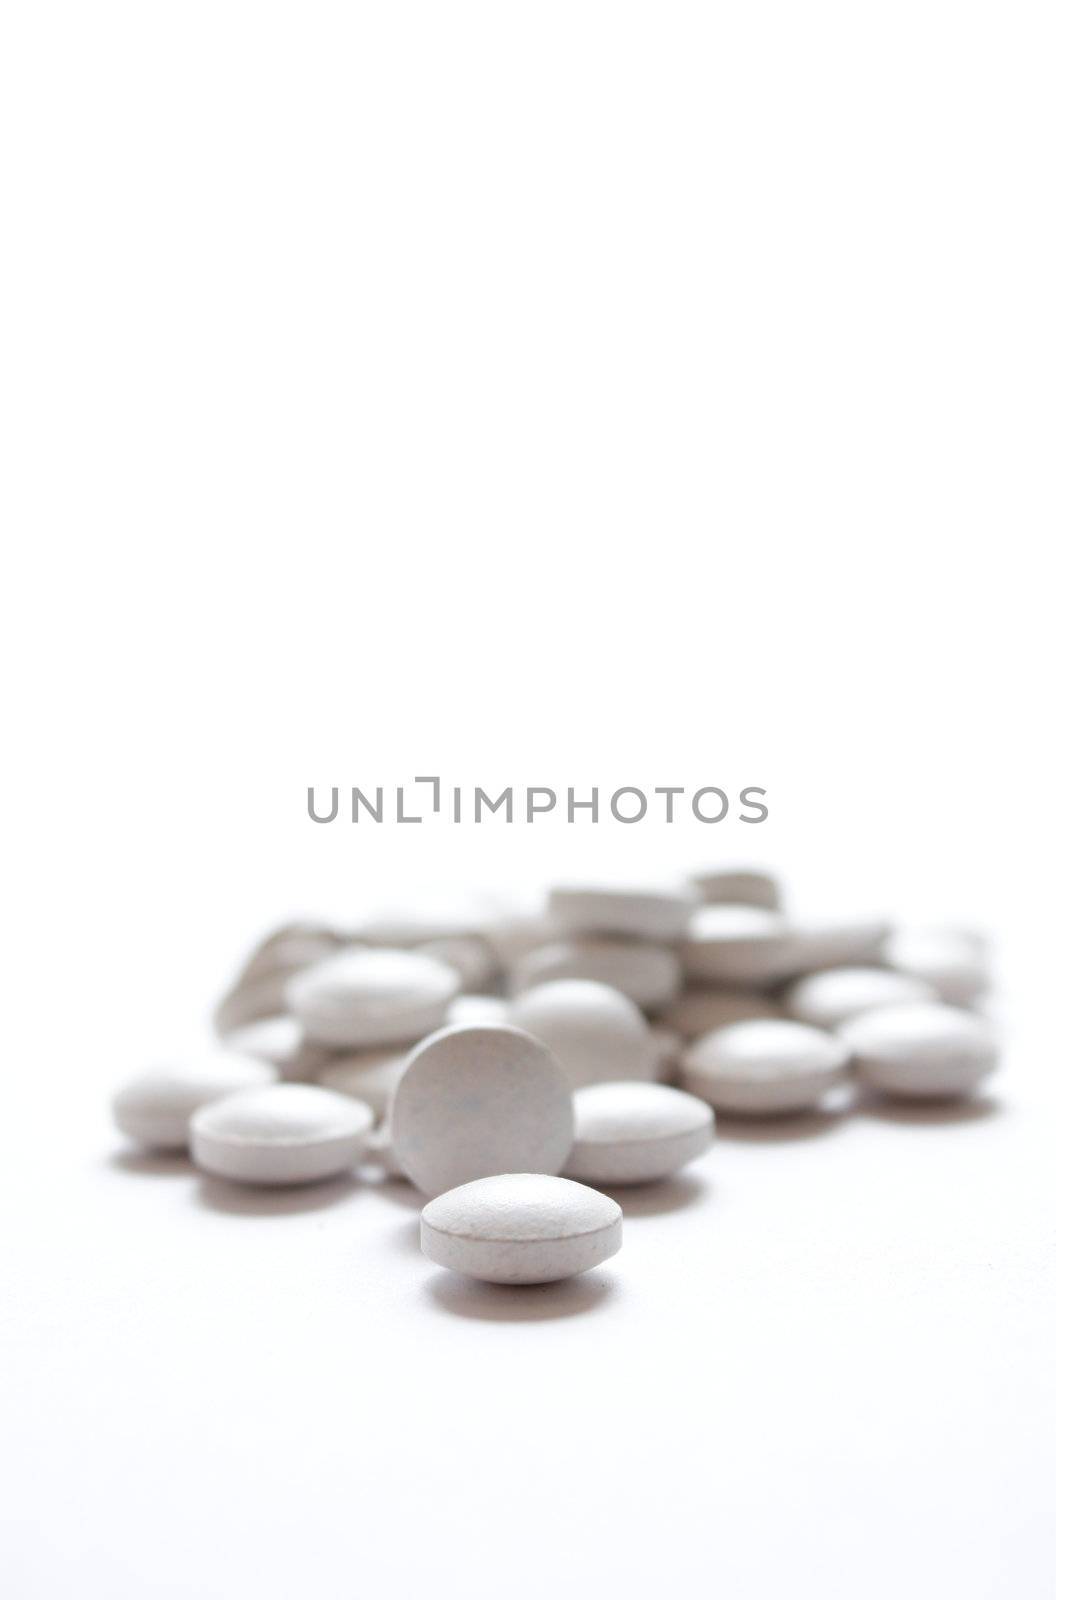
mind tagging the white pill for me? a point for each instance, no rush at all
(698, 1011)
(404, 927)
(595, 1033)
(736, 945)
(927, 1051)
(826, 999)
(473, 960)
(477, 1101)
(636, 1132)
(833, 942)
(289, 1133)
(373, 997)
(521, 1227)
(649, 974)
(467, 1008)
(737, 888)
(764, 1068)
(154, 1110)
(279, 1040)
(951, 961)
(290, 948)
(367, 1075)
(253, 1000)
(634, 912)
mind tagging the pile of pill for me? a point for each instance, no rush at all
(513, 1066)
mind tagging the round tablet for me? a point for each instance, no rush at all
(289, 1133)
(826, 999)
(649, 974)
(521, 1227)
(839, 942)
(154, 1110)
(929, 1051)
(367, 1075)
(636, 1132)
(480, 1100)
(952, 962)
(698, 1011)
(478, 1008)
(635, 913)
(595, 1033)
(372, 997)
(736, 945)
(764, 1068)
(468, 954)
(737, 888)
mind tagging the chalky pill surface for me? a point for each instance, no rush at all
(633, 912)
(764, 1068)
(737, 887)
(521, 1227)
(155, 1109)
(594, 1032)
(288, 1133)
(649, 974)
(736, 945)
(827, 999)
(367, 1075)
(373, 997)
(475, 1101)
(929, 1051)
(700, 1010)
(951, 961)
(636, 1132)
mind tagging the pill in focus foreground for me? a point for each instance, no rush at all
(521, 1228)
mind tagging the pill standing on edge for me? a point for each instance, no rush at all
(476, 1101)
(764, 1068)
(636, 1132)
(288, 1133)
(372, 997)
(631, 912)
(827, 999)
(929, 1051)
(594, 1032)
(154, 1109)
(650, 974)
(521, 1227)
(736, 945)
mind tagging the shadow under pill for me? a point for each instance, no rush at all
(657, 1199)
(780, 1129)
(398, 1190)
(533, 1302)
(931, 1113)
(253, 1200)
(152, 1163)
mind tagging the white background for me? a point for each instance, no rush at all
(559, 394)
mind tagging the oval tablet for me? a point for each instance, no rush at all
(521, 1227)
(634, 913)
(155, 1108)
(736, 946)
(826, 999)
(595, 1033)
(289, 1133)
(952, 962)
(649, 974)
(699, 1010)
(764, 1068)
(367, 1075)
(636, 1132)
(923, 1051)
(373, 997)
(837, 942)
(477, 1101)
(737, 887)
